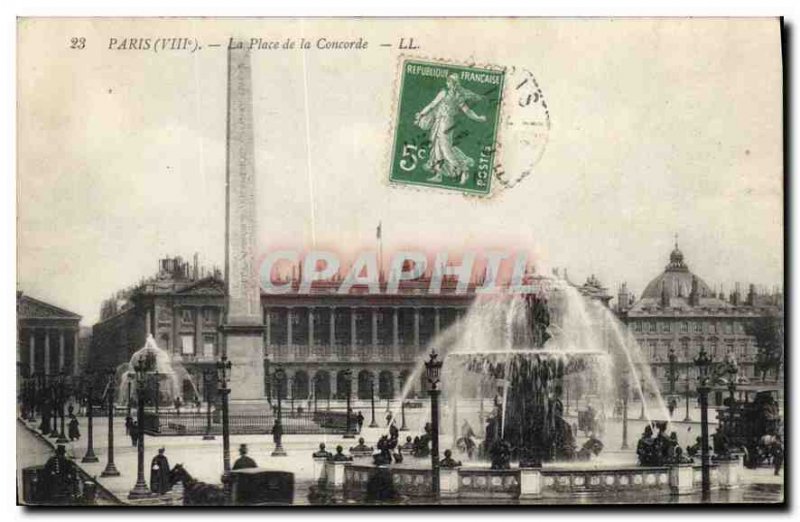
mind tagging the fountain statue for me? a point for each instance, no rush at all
(529, 367)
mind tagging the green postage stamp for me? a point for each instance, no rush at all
(445, 134)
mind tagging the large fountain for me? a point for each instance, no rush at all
(525, 355)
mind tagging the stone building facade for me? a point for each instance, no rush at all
(47, 338)
(679, 313)
(315, 337)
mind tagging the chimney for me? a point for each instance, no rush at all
(751, 295)
(736, 295)
(195, 269)
(623, 298)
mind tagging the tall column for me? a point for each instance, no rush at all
(199, 345)
(243, 329)
(267, 326)
(311, 349)
(75, 352)
(32, 343)
(416, 328)
(333, 382)
(395, 335)
(289, 331)
(436, 321)
(46, 351)
(374, 347)
(61, 349)
(353, 330)
(177, 317)
(332, 329)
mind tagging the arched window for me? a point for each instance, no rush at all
(322, 384)
(300, 385)
(386, 385)
(364, 381)
(341, 384)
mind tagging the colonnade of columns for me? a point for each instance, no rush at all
(50, 352)
(375, 339)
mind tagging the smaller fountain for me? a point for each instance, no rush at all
(167, 378)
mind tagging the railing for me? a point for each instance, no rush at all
(194, 423)
(606, 480)
(488, 483)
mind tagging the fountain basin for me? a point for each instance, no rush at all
(481, 482)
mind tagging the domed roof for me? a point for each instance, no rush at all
(676, 280)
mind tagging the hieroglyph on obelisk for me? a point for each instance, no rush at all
(243, 326)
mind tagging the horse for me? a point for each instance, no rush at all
(195, 492)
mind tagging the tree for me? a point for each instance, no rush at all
(768, 333)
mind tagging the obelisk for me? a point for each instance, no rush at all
(243, 327)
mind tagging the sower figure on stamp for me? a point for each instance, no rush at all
(439, 117)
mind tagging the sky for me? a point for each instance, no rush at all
(657, 128)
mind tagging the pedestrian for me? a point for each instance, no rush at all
(388, 418)
(777, 454)
(359, 421)
(60, 478)
(128, 424)
(74, 430)
(672, 405)
(178, 406)
(159, 474)
(134, 433)
(244, 462)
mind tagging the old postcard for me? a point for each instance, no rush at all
(400, 261)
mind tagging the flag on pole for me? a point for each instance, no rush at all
(378, 231)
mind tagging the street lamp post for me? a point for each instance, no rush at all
(141, 368)
(403, 426)
(641, 392)
(672, 360)
(687, 418)
(90, 456)
(62, 437)
(348, 377)
(129, 398)
(44, 404)
(111, 470)
(290, 383)
(433, 368)
(223, 367)
(372, 423)
(625, 392)
(54, 407)
(207, 388)
(32, 398)
(277, 428)
(703, 363)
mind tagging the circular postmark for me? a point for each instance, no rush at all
(524, 128)
(465, 127)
